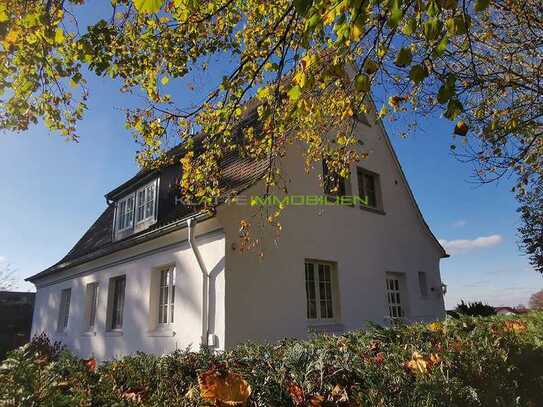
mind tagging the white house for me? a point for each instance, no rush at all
(154, 275)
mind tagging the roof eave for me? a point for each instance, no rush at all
(134, 240)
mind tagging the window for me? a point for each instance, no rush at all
(319, 285)
(368, 187)
(64, 311)
(166, 296)
(137, 209)
(146, 203)
(117, 287)
(395, 309)
(92, 301)
(125, 213)
(334, 184)
(423, 284)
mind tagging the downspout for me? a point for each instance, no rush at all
(191, 225)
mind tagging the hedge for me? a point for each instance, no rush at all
(492, 361)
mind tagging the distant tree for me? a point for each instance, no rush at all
(475, 309)
(531, 229)
(536, 300)
(7, 282)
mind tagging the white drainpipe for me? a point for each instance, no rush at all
(191, 225)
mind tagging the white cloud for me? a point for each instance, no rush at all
(464, 245)
(459, 223)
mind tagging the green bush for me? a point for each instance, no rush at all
(475, 309)
(471, 361)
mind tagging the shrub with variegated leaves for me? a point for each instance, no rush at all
(493, 361)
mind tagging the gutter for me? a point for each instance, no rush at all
(191, 225)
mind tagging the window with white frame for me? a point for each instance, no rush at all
(423, 284)
(125, 213)
(319, 287)
(166, 297)
(146, 202)
(116, 302)
(137, 208)
(394, 297)
(64, 310)
(91, 304)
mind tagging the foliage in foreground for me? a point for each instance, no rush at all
(494, 361)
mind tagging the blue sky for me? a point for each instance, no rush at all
(53, 190)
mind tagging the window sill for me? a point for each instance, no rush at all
(161, 332)
(88, 333)
(114, 332)
(374, 210)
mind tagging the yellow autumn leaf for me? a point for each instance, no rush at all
(435, 327)
(357, 30)
(300, 78)
(417, 365)
(12, 36)
(3, 15)
(59, 36)
(515, 326)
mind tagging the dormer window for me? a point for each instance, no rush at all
(137, 210)
(146, 203)
(125, 213)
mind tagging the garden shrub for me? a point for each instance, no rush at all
(475, 309)
(471, 361)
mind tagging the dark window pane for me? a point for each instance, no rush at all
(118, 302)
(310, 291)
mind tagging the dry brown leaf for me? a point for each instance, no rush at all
(224, 388)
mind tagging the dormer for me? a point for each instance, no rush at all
(136, 205)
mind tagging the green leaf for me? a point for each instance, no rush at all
(294, 93)
(418, 73)
(148, 6)
(395, 13)
(432, 29)
(362, 82)
(403, 58)
(370, 66)
(442, 46)
(481, 5)
(302, 6)
(454, 108)
(449, 4)
(433, 8)
(164, 81)
(461, 24)
(444, 93)
(410, 26)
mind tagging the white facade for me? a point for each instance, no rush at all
(140, 331)
(263, 299)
